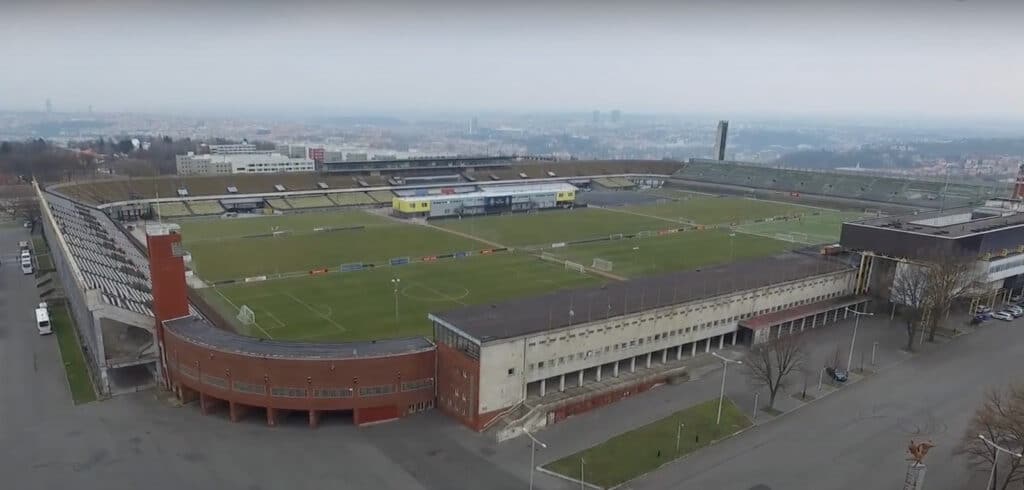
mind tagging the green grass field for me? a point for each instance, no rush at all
(676, 251)
(715, 210)
(635, 453)
(220, 251)
(79, 381)
(823, 228)
(361, 305)
(553, 226)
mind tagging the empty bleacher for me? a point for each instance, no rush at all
(857, 186)
(617, 183)
(351, 198)
(171, 209)
(107, 260)
(303, 202)
(382, 196)
(205, 207)
(278, 203)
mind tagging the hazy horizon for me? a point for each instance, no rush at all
(917, 59)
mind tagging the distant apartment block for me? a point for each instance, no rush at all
(241, 163)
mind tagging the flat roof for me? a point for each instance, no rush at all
(200, 331)
(916, 223)
(560, 309)
(797, 312)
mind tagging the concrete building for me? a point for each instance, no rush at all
(233, 149)
(991, 234)
(486, 200)
(721, 135)
(238, 163)
(492, 357)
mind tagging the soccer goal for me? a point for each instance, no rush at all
(645, 234)
(575, 266)
(246, 315)
(616, 236)
(549, 256)
(602, 265)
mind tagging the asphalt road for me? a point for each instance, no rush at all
(857, 438)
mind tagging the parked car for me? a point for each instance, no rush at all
(979, 319)
(1017, 298)
(838, 374)
(983, 309)
(1016, 311)
(1003, 315)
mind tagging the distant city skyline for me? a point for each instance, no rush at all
(905, 59)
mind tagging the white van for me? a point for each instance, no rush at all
(43, 321)
(26, 265)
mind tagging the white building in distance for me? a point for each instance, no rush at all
(241, 163)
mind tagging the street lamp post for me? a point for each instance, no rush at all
(679, 433)
(821, 377)
(856, 323)
(395, 282)
(995, 458)
(721, 395)
(533, 453)
(582, 485)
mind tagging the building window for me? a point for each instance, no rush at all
(376, 390)
(511, 371)
(254, 388)
(540, 364)
(286, 392)
(332, 393)
(418, 384)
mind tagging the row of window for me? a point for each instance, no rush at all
(420, 407)
(446, 336)
(299, 392)
(661, 337)
(569, 337)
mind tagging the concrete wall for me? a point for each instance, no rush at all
(503, 366)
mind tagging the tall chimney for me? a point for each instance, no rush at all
(1018, 187)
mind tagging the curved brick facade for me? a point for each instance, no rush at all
(373, 388)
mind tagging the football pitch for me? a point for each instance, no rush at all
(546, 227)
(362, 305)
(810, 228)
(635, 257)
(708, 210)
(243, 247)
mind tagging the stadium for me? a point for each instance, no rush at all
(507, 292)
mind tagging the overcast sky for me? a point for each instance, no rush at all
(827, 57)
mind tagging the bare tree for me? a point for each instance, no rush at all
(19, 202)
(910, 291)
(1000, 419)
(770, 364)
(949, 278)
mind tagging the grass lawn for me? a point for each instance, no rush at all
(823, 228)
(684, 250)
(552, 226)
(43, 260)
(79, 381)
(715, 210)
(634, 453)
(361, 305)
(219, 250)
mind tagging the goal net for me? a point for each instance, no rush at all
(616, 236)
(246, 315)
(574, 266)
(602, 265)
(645, 234)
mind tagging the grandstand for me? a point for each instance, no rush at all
(172, 210)
(305, 202)
(279, 203)
(619, 183)
(107, 284)
(117, 190)
(351, 198)
(856, 186)
(205, 207)
(382, 196)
